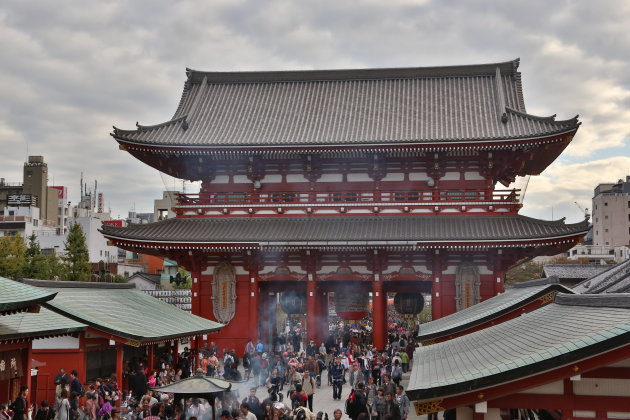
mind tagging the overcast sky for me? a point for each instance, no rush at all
(72, 69)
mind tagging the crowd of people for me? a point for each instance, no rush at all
(290, 371)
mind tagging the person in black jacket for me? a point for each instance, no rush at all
(391, 408)
(336, 375)
(45, 412)
(20, 405)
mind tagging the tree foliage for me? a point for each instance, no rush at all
(36, 264)
(529, 270)
(77, 257)
(12, 256)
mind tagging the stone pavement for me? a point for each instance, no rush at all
(322, 400)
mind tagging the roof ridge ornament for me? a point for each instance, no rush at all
(501, 96)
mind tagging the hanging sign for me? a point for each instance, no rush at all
(10, 364)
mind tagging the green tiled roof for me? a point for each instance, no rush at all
(17, 297)
(123, 311)
(46, 323)
(513, 298)
(573, 328)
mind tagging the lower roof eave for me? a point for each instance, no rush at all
(197, 149)
(557, 365)
(452, 244)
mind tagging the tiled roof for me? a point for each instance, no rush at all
(153, 278)
(345, 230)
(46, 323)
(616, 279)
(573, 328)
(122, 311)
(573, 271)
(513, 298)
(350, 107)
(17, 297)
(198, 384)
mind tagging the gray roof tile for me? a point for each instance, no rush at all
(574, 271)
(572, 328)
(17, 297)
(270, 230)
(46, 323)
(350, 107)
(512, 299)
(122, 311)
(615, 279)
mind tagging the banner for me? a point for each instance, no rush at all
(10, 364)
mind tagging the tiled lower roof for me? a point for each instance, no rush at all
(574, 271)
(573, 328)
(46, 323)
(511, 300)
(341, 230)
(616, 279)
(17, 297)
(124, 312)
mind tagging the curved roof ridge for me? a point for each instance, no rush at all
(608, 300)
(549, 119)
(507, 67)
(141, 128)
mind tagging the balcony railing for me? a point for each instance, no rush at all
(188, 203)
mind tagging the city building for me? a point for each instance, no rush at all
(611, 214)
(356, 184)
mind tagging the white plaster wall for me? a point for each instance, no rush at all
(331, 178)
(394, 176)
(553, 388)
(66, 342)
(418, 176)
(296, 178)
(271, 178)
(241, 179)
(473, 176)
(359, 178)
(451, 176)
(597, 386)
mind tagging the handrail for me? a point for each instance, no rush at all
(340, 197)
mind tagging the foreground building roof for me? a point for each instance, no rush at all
(513, 300)
(349, 107)
(573, 272)
(122, 311)
(18, 297)
(616, 279)
(340, 231)
(46, 323)
(558, 336)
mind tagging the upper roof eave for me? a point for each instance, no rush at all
(197, 76)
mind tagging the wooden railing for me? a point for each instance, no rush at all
(221, 199)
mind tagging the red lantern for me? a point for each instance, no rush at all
(408, 303)
(351, 306)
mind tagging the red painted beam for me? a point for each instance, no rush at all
(523, 384)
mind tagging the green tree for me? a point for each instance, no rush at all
(36, 265)
(187, 285)
(56, 266)
(12, 256)
(77, 257)
(529, 270)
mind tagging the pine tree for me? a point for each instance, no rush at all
(77, 257)
(36, 265)
(12, 256)
(56, 266)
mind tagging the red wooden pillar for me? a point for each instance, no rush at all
(175, 352)
(119, 368)
(499, 286)
(312, 311)
(27, 365)
(150, 358)
(196, 291)
(253, 308)
(436, 294)
(323, 330)
(379, 314)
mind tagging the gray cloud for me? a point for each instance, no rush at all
(72, 69)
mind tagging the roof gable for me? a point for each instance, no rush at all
(18, 297)
(349, 107)
(124, 312)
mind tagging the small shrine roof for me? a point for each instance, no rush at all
(573, 328)
(18, 297)
(512, 299)
(196, 385)
(122, 311)
(616, 279)
(360, 230)
(46, 323)
(349, 107)
(573, 271)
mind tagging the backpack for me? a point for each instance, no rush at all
(396, 373)
(350, 402)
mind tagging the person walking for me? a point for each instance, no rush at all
(391, 408)
(403, 401)
(308, 385)
(336, 374)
